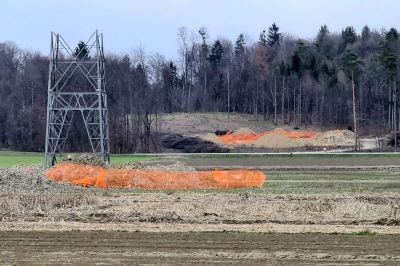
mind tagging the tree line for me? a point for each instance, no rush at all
(278, 77)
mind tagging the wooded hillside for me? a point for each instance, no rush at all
(278, 77)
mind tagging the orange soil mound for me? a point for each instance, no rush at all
(97, 176)
(251, 138)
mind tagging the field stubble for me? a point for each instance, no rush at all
(288, 197)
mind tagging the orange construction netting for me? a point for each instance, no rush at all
(231, 138)
(100, 177)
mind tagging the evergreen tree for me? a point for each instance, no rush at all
(350, 66)
(297, 60)
(171, 82)
(81, 51)
(365, 33)
(322, 40)
(173, 78)
(392, 35)
(348, 36)
(216, 53)
(274, 36)
(239, 46)
(388, 55)
(322, 35)
(350, 61)
(263, 38)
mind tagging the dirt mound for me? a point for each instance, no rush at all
(280, 138)
(244, 131)
(176, 167)
(298, 134)
(278, 141)
(223, 132)
(127, 165)
(212, 138)
(84, 158)
(27, 179)
(335, 138)
(191, 144)
(100, 177)
(277, 138)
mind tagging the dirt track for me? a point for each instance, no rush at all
(90, 247)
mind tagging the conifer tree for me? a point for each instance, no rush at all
(263, 38)
(274, 36)
(216, 53)
(81, 51)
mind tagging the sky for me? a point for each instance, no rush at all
(153, 24)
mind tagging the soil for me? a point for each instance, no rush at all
(29, 179)
(188, 248)
(202, 123)
(190, 144)
(244, 131)
(283, 139)
(207, 126)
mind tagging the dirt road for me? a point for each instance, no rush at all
(144, 248)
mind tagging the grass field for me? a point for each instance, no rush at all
(8, 159)
(332, 181)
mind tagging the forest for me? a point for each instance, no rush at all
(275, 76)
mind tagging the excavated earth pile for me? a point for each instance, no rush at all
(29, 179)
(280, 138)
(190, 144)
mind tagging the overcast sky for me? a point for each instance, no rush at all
(153, 24)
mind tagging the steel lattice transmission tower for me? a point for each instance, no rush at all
(69, 95)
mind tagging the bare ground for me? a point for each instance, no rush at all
(202, 123)
(188, 248)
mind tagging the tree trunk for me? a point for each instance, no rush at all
(299, 105)
(228, 79)
(394, 114)
(205, 91)
(264, 101)
(184, 83)
(354, 113)
(283, 99)
(256, 103)
(294, 105)
(275, 103)
(390, 109)
(190, 88)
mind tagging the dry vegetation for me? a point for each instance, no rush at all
(317, 199)
(200, 208)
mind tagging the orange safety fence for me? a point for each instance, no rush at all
(231, 138)
(100, 177)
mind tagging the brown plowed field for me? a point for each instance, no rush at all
(144, 248)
